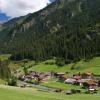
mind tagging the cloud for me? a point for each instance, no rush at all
(16, 8)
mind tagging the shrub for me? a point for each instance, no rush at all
(49, 63)
(99, 83)
(68, 61)
(60, 62)
(12, 81)
(85, 85)
(25, 69)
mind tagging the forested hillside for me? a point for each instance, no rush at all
(5, 72)
(68, 29)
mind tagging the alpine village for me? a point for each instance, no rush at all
(52, 54)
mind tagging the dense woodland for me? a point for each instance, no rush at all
(68, 29)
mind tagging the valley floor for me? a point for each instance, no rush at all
(16, 93)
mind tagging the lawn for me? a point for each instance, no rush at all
(12, 93)
(60, 85)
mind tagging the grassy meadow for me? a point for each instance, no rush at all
(14, 93)
(92, 65)
(60, 85)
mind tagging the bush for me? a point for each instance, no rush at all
(49, 63)
(99, 83)
(60, 62)
(68, 61)
(85, 85)
(25, 69)
(73, 91)
(25, 61)
(73, 67)
(12, 81)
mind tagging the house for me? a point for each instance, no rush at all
(70, 81)
(80, 82)
(90, 84)
(57, 74)
(32, 75)
(77, 77)
(88, 75)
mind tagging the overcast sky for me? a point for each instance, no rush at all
(16, 8)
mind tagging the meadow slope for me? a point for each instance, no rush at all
(13, 93)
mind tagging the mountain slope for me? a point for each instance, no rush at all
(66, 28)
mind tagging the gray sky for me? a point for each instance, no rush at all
(16, 8)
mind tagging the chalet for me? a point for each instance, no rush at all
(77, 77)
(34, 75)
(80, 82)
(70, 81)
(90, 84)
(87, 75)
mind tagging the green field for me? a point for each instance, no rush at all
(12, 93)
(60, 85)
(92, 65)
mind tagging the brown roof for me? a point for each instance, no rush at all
(89, 73)
(77, 77)
(91, 82)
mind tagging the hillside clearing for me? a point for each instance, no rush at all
(92, 65)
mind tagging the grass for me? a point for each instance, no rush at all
(54, 83)
(19, 65)
(8, 93)
(12, 93)
(93, 66)
(58, 85)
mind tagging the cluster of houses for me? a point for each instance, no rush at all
(36, 76)
(86, 80)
